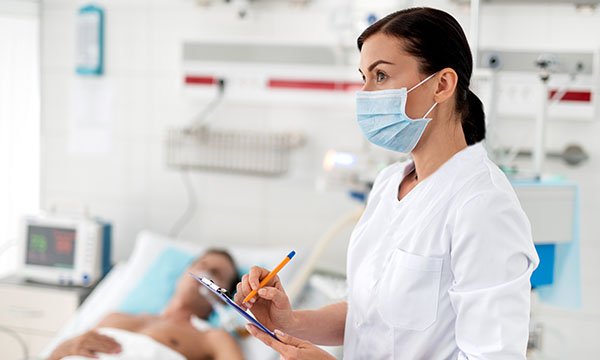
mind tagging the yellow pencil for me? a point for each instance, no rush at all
(268, 278)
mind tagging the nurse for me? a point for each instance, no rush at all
(439, 265)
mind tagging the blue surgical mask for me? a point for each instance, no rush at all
(382, 118)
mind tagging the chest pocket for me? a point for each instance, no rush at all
(407, 295)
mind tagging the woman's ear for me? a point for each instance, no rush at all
(447, 81)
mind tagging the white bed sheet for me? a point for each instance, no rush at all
(107, 297)
(111, 291)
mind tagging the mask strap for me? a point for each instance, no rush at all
(430, 110)
(422, 81)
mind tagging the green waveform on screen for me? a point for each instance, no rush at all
(38, 243)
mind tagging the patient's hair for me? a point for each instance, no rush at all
(236, 278)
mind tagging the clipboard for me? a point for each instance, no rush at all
(221, 293)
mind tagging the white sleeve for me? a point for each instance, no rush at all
(492, 258)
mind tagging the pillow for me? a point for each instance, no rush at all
(150, 245)
(157, 262)
(157, 285)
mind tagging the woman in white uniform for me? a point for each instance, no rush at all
(439, 265)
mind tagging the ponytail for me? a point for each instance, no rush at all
(473, 122)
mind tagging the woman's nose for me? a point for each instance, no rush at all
(366, 87)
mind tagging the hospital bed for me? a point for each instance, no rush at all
(116, 288)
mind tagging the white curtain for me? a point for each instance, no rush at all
(19, 125)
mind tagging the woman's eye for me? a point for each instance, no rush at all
(381, 76)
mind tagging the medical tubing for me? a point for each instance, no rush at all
(201, 119)
(348, 219)
(15, 335)
(191, 208)
(196, 124)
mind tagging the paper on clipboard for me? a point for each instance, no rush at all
(215, 289)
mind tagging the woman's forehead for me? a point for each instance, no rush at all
(384, 47)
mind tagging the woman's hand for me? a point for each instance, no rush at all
(271, 306)
(88, 345)
(289, 347)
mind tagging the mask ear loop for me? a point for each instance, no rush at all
(421, 83)
(430, 110)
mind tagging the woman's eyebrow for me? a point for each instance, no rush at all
(375, 64)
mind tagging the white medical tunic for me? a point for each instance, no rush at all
(443, 273)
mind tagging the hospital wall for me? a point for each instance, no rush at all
(127, 181)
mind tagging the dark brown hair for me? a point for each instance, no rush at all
(231, 287)
(436, 39)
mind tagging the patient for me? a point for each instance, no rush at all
(172, 334)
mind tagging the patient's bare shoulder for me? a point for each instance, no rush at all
(125, 321)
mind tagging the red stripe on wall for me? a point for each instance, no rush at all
(579, 96)
(200, 80)
(302, 84)
(313, 85)
(352, 86)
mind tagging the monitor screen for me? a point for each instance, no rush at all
(50, 246)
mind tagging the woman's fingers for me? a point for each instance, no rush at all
(251, 281)
(278, 346)
(245, 287)
(277, 283)
(278, 297)
(239, 296)
(288, 339)
(256, 275)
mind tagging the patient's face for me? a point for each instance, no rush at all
(215, 266)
